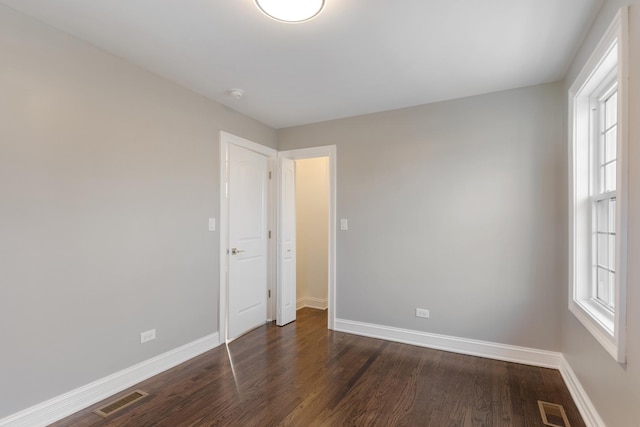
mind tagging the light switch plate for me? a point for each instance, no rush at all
(344, 224)
(212, 224)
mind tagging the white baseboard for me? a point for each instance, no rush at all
(71, 402)
(580, 397)
(317, 303)
(508, 353)
(66, 404)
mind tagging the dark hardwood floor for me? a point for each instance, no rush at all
(305, 375)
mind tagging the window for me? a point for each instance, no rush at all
(604, 197)
(598, 147)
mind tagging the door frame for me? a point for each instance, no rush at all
(271, 154)
(329, 151)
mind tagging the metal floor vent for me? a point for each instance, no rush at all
(553, 414)
(121, 403)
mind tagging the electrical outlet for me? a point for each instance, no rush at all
(147, 336)
(421, 312)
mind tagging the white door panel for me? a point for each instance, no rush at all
(286, 295)
(247, 240)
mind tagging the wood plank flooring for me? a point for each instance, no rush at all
(305, 375)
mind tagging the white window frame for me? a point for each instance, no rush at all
(608, 327)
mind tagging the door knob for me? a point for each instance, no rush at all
(236, 251)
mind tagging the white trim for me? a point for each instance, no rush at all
(317, 303)
(73, 401)
(507, 353)
(225, 140)
(580, 397)
(595, 325)
(622, 186)
(599, 52)
(331, 152)
(616, 34)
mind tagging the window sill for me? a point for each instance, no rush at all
(597, 320)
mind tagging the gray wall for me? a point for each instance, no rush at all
(107, 177)
(613, 388)
(452, 207)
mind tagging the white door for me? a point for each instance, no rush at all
(286, 287)
(247, 191)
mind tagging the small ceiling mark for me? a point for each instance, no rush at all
(236, 93)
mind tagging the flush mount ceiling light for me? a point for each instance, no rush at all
(290, 10)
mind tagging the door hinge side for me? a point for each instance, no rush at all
(269, 174)
(269, 233)
(269, 292)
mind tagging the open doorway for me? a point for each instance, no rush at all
(315, 190)
(312, 232)
(270, 231)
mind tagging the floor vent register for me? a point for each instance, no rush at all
(121, 403)
(553, 415)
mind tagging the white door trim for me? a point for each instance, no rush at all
(331, 152)
(223, 302)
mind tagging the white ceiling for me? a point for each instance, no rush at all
(356, 57)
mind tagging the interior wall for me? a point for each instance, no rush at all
(452, 207)
(312, 230)
(108, 174)
(107, 177)
(613, 388)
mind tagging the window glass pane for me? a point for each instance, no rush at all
(610, 139)
(602, 288)
(612, 215)
(602, 215)
(610, 177)
(602, 243)
(612, 252)
(611, 110)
